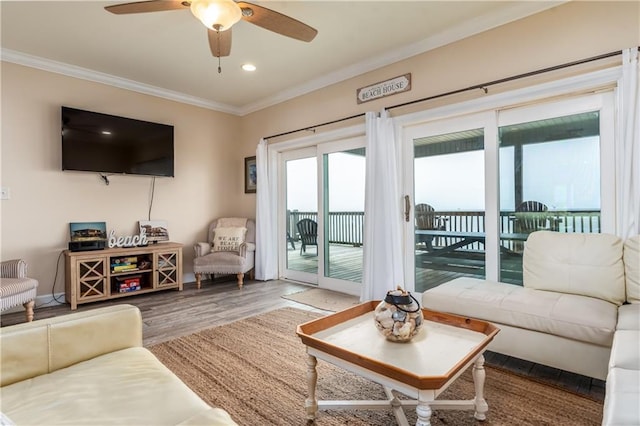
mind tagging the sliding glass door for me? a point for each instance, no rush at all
(322, 212)
(479, 185)
(446, 234)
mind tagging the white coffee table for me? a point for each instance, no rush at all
(421, 369)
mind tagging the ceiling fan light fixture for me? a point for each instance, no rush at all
(219, 15)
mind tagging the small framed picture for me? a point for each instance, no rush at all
(250, 175)
(156, 230)
(88, 231)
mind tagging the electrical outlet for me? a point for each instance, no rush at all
(5, 194)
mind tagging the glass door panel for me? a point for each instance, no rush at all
(344, 175)
(550, 180)
(301, 201)
(449, 207)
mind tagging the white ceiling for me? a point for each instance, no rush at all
(167, 53)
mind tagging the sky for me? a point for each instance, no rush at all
(346, 183)
(564, 175)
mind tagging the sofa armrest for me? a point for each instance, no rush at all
(43, 346)
(14, 268)
(202, 249)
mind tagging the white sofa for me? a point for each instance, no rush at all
(89, 368)
(578, 310)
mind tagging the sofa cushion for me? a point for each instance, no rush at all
(632, 268)
(625, 352)
(629, 317)
(575, 317)
(220, 260)
(621, 399)
(582, 264)
(12, 286)
(139, 388)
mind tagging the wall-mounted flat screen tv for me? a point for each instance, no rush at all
(95, 142)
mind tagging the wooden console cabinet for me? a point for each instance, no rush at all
(93, 276)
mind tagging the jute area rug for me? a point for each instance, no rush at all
(255, 369)
(324, 299)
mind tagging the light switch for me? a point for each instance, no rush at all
(5, 194)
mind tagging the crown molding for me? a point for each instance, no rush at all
(477, 25)
(49, 65)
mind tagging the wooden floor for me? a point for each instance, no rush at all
(170, 314)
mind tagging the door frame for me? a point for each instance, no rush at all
(330, 283)
(276, 153)
(502, 115)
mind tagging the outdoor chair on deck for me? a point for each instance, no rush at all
(533, 216)
(426, 220)
(308, 230)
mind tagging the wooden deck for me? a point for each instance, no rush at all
(346, 264)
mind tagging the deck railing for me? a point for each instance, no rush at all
(344, 227)
(567, 221)
(348, 227)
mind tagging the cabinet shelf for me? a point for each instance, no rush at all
(90, 276)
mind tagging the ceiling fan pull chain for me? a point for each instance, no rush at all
(219, 67)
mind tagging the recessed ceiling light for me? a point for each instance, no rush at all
(106, 132)
(249, 67)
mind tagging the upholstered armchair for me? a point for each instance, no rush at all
(16, 288)
(229, 249)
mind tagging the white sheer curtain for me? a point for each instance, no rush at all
(266, 223)
(383, 266)
(628, 146)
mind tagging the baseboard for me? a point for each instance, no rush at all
(41, 302)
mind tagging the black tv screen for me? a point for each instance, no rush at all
(95, 142)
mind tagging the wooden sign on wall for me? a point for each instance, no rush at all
(395, 85)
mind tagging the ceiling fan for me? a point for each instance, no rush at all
(220, 15)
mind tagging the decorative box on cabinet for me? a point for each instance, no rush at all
(93, 276)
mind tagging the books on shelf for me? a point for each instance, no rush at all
(126, 285)
(124, 260)
(127, 264)
(124, 268)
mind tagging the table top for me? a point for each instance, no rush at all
(444, 344)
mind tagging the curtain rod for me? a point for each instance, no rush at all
(482, 86)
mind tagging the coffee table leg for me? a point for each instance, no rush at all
(423, 410)
(311, 403)
(478, 380)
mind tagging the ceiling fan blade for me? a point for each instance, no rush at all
(220, 42)
(276, 22)
(148, 6)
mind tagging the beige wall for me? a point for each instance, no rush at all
(570, 32)
(208, 170)
(209, 159)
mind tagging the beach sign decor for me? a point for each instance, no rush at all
(393, 86)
